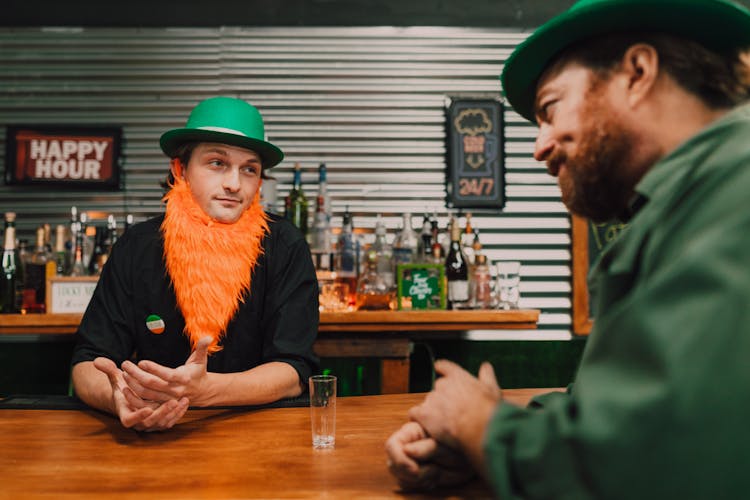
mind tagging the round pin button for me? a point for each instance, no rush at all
(155, 324)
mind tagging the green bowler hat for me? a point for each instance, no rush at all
(228, 121)
(719, 25)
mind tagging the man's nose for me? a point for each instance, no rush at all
(232, 179)
(544, 143)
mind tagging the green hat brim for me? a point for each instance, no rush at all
(170, 141)
(718, 25)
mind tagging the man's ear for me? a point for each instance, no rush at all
(175, 167)
(641, 66)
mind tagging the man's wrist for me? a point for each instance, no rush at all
(472, 429)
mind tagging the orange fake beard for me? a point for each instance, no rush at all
(210, 263)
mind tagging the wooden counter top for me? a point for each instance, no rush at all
(212, 454)
(362, 321)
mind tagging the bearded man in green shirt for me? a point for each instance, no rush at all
(642, 114)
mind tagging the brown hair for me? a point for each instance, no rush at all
(720, 80)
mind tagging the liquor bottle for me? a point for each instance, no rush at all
(73, 226)
(99, 253)
(438, 252)
(78, 268)
(373, 293)
(269, 194)
(10, 275)
(383, 254)
(347, 266)
(35, 277)
(111, 238)
(481, 291)
(296, 203)
(47, 237)
(457, 271)
(128, 222)
(405, 243)
(323, 189)
(62, 257)
(321, 233)
(424, 244)
(88, 233)
(467, 239)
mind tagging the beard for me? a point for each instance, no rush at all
(596, 182)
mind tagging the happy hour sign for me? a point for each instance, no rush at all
(63, 155)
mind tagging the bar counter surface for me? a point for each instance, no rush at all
(386, 335)
(211, 453)
(350, 321)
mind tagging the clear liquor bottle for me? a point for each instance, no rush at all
(62, 256)
(384, 264)
(373, 293)
(78, 267)
(347, 261)
(405, 244)
(321, 241)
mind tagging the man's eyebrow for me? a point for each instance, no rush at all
(216, 150)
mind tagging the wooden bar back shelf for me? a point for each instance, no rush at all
(387, 335)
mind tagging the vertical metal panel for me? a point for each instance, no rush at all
(369, 102)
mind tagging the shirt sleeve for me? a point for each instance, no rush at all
(105, 328)
(290, 317)
(660, 406)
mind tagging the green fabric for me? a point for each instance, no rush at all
(661, 403)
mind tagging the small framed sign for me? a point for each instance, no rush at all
(68, 294)
(62, 155)
(421, 286)
(476, 162)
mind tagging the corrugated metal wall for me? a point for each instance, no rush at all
(369, 102)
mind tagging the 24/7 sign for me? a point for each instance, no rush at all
(476, 167)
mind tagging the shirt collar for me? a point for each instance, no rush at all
(669, 172)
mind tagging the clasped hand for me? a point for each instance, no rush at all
(441, 446)
(151, 397)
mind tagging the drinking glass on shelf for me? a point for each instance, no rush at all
(334, 297)
(507, 287)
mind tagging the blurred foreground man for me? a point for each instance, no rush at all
(642, 117)
(215, 302)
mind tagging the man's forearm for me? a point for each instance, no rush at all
(92, 386)
(263, 384)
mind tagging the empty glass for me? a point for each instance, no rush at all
(507, 287)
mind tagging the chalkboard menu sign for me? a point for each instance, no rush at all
(589, 239)
(476, 166)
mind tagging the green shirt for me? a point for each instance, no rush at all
(661, 403)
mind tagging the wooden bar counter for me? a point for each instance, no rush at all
(211, 453)
(386, 335)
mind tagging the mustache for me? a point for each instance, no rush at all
(554, 161)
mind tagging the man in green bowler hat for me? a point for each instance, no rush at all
(214, 302)
(643, 117)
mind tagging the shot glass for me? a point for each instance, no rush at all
(508, 283)
(323, 410)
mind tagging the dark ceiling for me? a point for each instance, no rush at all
(201, 13)
(208, 13)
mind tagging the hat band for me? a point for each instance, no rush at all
(225, 130)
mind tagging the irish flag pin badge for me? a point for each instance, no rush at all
(155, 324)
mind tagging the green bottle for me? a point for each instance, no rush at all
(296, 203)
